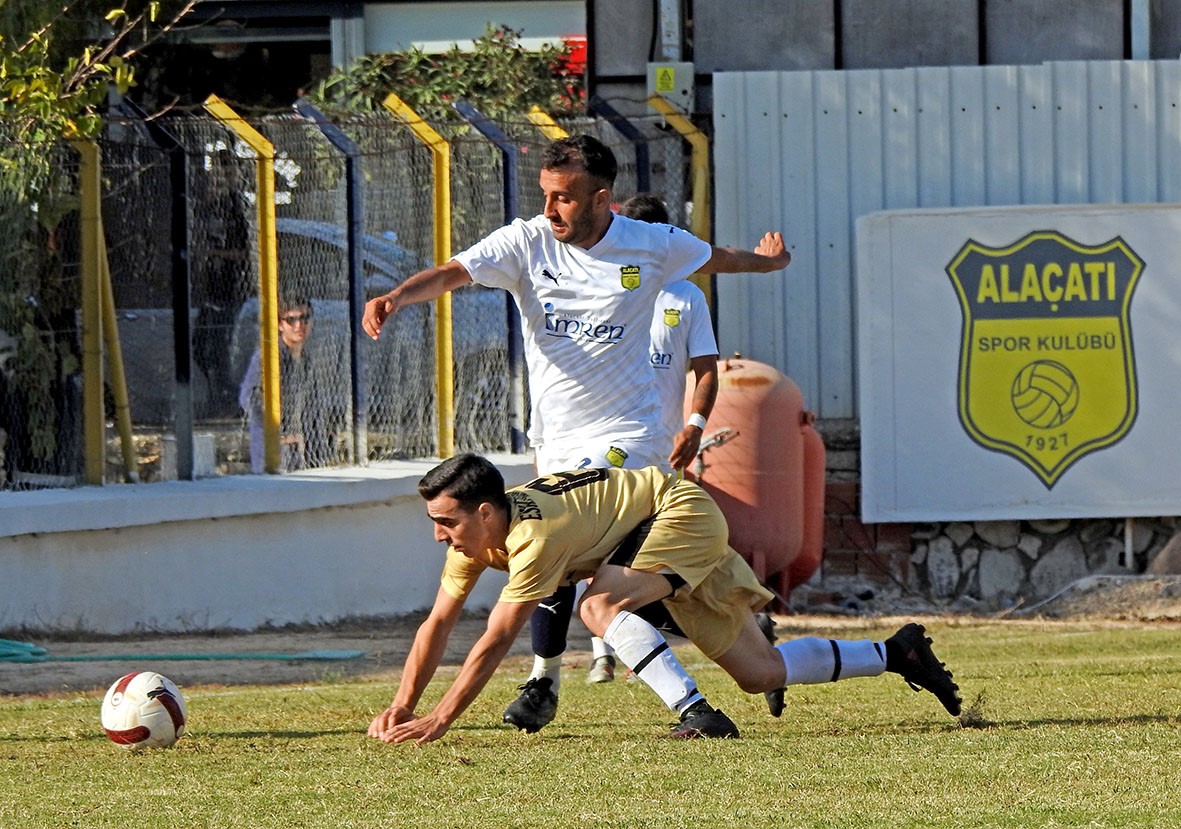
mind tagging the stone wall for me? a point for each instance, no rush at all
(981, 565)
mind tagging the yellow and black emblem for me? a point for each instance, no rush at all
(672, 317)
(1047, 373)
(629, 276)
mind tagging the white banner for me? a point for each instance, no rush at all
(1020, 362)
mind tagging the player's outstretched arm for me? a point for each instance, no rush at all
(504, 623)
(769, 255)
(422, 286)
(425, 654)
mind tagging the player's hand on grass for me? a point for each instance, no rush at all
(421, 730)
(384, 722)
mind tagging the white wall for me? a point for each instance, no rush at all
(436, 27)
(942, 434)
(236, 552)
(810, 152)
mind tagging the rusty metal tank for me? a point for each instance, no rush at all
(807, 562)
(762, 471)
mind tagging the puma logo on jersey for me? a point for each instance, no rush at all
(546, 273)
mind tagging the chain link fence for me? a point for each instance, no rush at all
(40, 395)
(40, 338)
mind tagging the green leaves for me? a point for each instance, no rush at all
(497, 74)
(56, 67)
(54, 72)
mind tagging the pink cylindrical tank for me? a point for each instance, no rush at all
(756, 474)
(815, 465)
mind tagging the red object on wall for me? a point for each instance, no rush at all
(766, 474)
(576, 62)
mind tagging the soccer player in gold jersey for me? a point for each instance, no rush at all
(641, 537)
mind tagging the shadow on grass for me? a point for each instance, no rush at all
(1136, 719)
(191, 736)
(986, 724)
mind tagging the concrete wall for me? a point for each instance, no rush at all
(236, 552)
(760, 35)
(733, 37)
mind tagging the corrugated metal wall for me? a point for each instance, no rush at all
(809, 152)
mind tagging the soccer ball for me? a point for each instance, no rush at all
(143, 709)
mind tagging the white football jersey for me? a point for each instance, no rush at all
(586, 319)
(681, 330)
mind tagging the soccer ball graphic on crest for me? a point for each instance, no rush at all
(143, 710)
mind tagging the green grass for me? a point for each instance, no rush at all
(1070, 725)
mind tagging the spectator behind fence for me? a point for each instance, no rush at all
(303, 437)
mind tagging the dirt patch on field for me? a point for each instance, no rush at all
(1122, 598)
(274, 656)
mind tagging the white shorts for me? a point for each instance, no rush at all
(599, 453)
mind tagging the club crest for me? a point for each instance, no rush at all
(629, 276)
(1047, 372)
(672, 317)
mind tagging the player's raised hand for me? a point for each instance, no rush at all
(771, 246)
(377, 311)
(769, 255)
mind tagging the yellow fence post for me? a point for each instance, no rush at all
(93, 414)
(99, 329)
(268, 272)
(548, 126)
(115, 363)
(699, 224)
(445, 371)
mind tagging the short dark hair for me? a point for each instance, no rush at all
(469, 479)
(583, 151)
(646, 208)
(288, 302)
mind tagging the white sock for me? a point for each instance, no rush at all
(548, 666)
(600, 648)
(640, 647)
(811, 660)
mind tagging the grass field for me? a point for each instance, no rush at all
(1067, 724)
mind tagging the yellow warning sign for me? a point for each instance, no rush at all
(666, 79)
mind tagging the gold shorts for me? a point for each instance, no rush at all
(688, 535)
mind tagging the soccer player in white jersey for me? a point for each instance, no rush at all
(585, 281)
(642, 537)
(682, 337)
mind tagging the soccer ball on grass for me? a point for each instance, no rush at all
(143, 710)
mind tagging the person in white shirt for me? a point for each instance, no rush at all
(585, 281)
(682, 340)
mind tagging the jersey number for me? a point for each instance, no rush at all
(562, 482)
